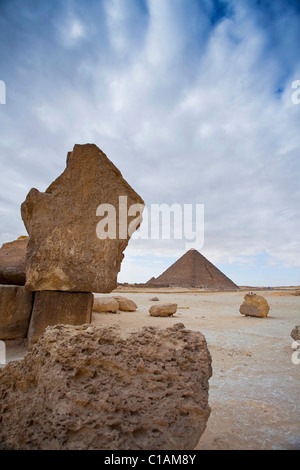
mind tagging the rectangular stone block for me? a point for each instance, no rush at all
(53, 308)
(15, 311)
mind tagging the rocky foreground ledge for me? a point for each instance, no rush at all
(87, 387)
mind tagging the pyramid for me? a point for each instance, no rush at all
(193, 270)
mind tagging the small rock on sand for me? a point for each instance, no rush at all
(254, 306)
(163, 310)
(126, 305)
(105, 304)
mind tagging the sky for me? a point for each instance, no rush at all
(192, 100)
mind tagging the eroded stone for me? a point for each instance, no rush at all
(105, 304)
(295, 333)
(163, 310)
(64, 251)
(90, 388)
(254, 306)
(126, 305)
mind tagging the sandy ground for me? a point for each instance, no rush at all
(255, 388)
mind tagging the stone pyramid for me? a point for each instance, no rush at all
(193, 270)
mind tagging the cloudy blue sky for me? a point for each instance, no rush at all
(192, 101)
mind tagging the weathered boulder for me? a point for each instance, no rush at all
(254, 306)
(163, 310)
(105, 304)
(295, 333)
(12, 262)
(65, 251)
(154, 299)
(90, 387)
(53, 308)
(15, 311)
(126, 305)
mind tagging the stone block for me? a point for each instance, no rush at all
(53, 308)
(15, 311)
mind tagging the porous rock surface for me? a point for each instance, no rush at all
(255, 306)
(87, 387)
(295, 333)
(65, 251)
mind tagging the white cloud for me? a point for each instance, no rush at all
(71, 30)
(188, 111)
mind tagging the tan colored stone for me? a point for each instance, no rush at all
(64, 251)
(295, 333)
(163, 310)
(105, 304)
(15, 311)
(12, 262)
(88, 387)
(126, 305)
(53, 308)
(254, 306)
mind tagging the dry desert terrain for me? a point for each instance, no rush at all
(255, 388)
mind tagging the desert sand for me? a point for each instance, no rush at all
(255, 387)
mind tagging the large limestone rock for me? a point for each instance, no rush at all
(126, 305)
(254, 306)
(105, 304)
(53, 308)
(90, 388)
(15, 311)
(64, 251)
(163, 310)
(12, 262)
